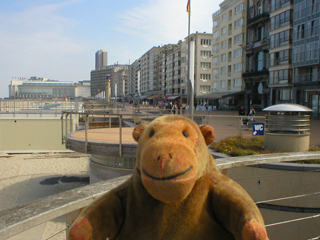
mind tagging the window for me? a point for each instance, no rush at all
(280, 39)
(238, 53)
(215, 72)
(223, 57)
(223, 70)
(260, 61)
(300, 32)
(223, 84)
(285, 94)
(223, 44)
(224, 17)
(215, 59)
(259, 8)
(280, 76)
(237, 82)
(280, 58)
(312, 28)
(206, 42)
(205, 65)
(206, 54)
(216, 35)
(238, 38)
(238, 23)
(237, 67)
(223, 30)
(216, 47)
(205, 88)
(216, 22)
(279, 4)
(280, 20)
(239, 8)
(215, 85)
(205, 77)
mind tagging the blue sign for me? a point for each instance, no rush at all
(258, 129)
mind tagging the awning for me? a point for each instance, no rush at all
(212, 96)
(154, 96)
(172, 97)
(233, 95)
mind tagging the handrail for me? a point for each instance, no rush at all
(26, 216)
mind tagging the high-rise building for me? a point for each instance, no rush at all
(306, 54)
(101, 59)
(256, 75)
(229, 40)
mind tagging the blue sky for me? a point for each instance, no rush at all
(57, 39)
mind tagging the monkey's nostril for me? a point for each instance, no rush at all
(159, 158)
(170, 155)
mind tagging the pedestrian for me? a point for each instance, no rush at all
(242, 113)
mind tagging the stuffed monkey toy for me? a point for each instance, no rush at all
(176, 192)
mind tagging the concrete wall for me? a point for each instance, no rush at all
(266, 184)
(30, 134)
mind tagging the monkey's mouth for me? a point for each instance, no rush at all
(166, 178)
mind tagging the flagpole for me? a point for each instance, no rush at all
(191, 94)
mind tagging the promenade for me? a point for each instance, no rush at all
(27, 177)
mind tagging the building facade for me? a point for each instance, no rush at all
(229, 40)
(280, 66)
(256, 75)
(306, 54)
(99, 78)
(43, 88)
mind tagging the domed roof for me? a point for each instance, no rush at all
(287, 107)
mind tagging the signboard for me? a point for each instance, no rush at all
(258, 129)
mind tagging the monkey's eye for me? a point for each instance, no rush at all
(185, 134)
(151, 133)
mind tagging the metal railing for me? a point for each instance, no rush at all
(23, 217)
(71, 124)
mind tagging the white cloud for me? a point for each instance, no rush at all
(167, 20)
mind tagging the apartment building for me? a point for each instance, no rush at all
(171, 71)
(256, 75)
(133, 78)
(229, 38)
(202, 65)
(305, 60)
(280, 53)
(99, 78)
(150, 82)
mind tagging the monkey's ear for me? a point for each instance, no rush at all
(208, 133)
(137, 131)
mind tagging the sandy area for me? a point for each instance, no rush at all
(27, 177)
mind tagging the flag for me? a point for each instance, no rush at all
(188, 8)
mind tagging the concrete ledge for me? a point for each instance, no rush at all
(290, 166)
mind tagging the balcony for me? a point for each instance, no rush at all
(261, 17)
(307, 78)
(256, 73)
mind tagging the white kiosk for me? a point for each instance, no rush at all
(288, 128)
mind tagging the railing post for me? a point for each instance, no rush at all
(120, 136)
(109, 119)
(62, 130)
(240, 126)
(86, 120)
